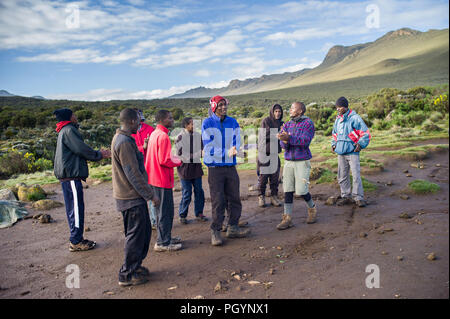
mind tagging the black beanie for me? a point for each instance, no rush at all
(342, 102)
(63, 114)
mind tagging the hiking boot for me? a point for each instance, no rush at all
(261, 201)
(216, 239)
(201, 218)
(243, 223)
(170, 247)
(136, 279)
(312, 212)
(175, 240)
(344, 201)
(143, 271)
(361, 203)
(275, 201)
(183, 220)
(82, 245)
(286, 222)
(233, 231)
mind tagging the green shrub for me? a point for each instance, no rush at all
(420, 186)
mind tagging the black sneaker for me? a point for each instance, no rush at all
(82, 245)
(143, 271)
(136, 279)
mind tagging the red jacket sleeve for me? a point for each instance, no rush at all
(165, 157)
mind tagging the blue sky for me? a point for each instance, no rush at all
(102, 50)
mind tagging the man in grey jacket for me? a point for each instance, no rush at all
(70, 167)
(132, 192)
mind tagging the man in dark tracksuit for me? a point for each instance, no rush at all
(131, 191)
(70, 167)
(268, 160)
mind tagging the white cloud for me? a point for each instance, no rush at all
(202, 73)
(184, 28)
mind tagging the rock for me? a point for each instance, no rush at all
(331, 201)
(438, 165)
(271, 271)
(218, 287)
(362, 234)
(408, 175)
(399, 258)
(431, 256)
(46, 204)
(404, 197)
(253, 282)
(237, 277)
(172, 288)
(86, 229)
(199, 297)
(45, 219)
(6, 194)
(390, 183)
(405, 216)
(405, 171)
(384, 253)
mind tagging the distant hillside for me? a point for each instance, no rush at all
(5, 93)
(405, 54)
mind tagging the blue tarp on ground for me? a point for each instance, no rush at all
(10, 213)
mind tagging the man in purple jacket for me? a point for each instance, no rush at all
(295, 137)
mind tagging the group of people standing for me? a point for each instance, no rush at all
(143, 173)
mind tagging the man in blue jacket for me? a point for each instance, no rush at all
(350, 136)
(221, 140)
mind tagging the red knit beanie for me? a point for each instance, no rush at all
(215, 100)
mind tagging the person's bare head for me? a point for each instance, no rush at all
(297, 109)
(129, 120)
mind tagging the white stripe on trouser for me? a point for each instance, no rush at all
(75, 204)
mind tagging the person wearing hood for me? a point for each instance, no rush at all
(70, 167)
(350, 135)
(295, 137)
(268, 160)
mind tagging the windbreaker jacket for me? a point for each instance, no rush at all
(348, 130)
(72, 154)
(160, 162)
(140, 137)
(218, 138)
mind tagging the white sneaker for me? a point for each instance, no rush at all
(170, 247)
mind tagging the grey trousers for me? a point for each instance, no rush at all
(345, 164)
(164, 215)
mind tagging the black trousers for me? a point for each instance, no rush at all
(138, 231)
(224, 188)
(273, 179)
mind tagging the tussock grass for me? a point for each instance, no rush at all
(420, 186)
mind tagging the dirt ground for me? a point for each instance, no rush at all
(327, 259)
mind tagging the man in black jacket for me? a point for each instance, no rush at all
(268, 160)
(70, 167)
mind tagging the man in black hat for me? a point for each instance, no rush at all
(70, 167)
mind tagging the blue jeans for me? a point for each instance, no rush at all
(199, 200)
(152, 213)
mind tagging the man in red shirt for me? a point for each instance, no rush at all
(160, 163)
(141, 137)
